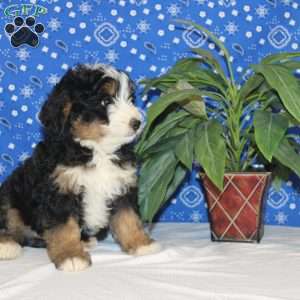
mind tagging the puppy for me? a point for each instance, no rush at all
(81, 179)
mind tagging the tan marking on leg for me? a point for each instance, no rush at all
(88, 131)
(9, 248)
(128, 231)
(65, 249)
(16, 226)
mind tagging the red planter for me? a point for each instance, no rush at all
(236, 213)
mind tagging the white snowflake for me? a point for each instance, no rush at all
(22, 54)
(231, 28)
(26, 91)
(53, 79)
(262, 11)
(174, 10)
(281, 218)
(23, 156)
(2, 169)
(1, 105)
(196, 217)
(111, 55)
(54, 24)
(85, 8)
(143, 26)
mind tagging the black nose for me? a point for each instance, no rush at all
(135, 124)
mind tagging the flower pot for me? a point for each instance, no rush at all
(236, 212)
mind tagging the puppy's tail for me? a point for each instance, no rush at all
(33, 242)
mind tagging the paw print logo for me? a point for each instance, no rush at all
(20, 32)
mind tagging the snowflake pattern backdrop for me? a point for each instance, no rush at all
(140, 37)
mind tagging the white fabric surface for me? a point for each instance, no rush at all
(189, 266)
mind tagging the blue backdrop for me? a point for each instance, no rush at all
(138, 36)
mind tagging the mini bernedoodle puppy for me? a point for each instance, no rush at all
(81, 179)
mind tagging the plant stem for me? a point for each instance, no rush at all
(234, 114)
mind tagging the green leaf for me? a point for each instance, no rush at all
(210, 151)
(155, 177)
(180, 173)
(189, 64)
(160, 130)
(163, 82)
(195, 105)
(190, 122)
(280, 174)
(278, 57)
(166, 100)
(269, 129)
(209, 34)
(251, 85)
(184, 149)
(208, 77)
(215, 40)
(287, 156)
(285, 84)
(292, 121)
(163, 145)
(292, 65)
(210, 60)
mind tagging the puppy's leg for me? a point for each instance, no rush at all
(65, 248)
(9, 248)
(12, 235)
(128, 230)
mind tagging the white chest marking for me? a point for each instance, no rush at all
(101, 184)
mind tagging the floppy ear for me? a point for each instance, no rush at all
(56, 109)
(55, 112)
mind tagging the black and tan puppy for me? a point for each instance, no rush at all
(81, 179)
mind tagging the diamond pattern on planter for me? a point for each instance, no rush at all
(235, 212)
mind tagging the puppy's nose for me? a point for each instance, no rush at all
(135, 124)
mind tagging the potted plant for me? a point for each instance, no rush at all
(204, 115)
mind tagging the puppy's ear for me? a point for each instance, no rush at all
(56, 109)
(55, 112)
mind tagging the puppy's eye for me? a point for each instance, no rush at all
(104, 101)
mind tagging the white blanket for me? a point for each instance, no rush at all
(189, 266)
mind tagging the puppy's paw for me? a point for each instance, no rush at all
(90, 244)
(75, 264)
(10, 250)
(154, 247)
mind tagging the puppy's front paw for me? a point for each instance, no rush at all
(147, 249)
(90, 243)
(9, 250)
(75, 264)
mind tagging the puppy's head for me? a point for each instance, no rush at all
(94, 105)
